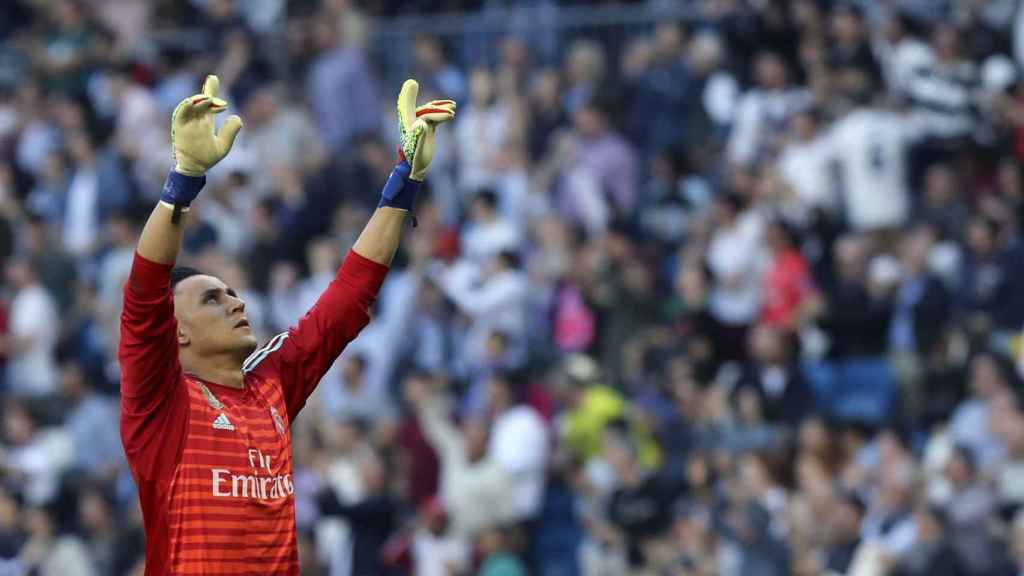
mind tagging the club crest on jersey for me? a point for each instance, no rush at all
(278, 421)
(222, 423)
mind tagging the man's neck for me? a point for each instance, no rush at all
(225, 371)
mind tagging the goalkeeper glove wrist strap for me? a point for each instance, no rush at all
(180, 190)
(400, 190)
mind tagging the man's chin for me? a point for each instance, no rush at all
(249, 344)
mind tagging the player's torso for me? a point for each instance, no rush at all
(232, 504)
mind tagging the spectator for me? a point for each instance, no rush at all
(32, 338)
(438, 551)
(96, 513)
(850, 58)
(496, 550)
(372, 518)
(640, 505)
(844, 532)
(280, 136)
(969, 512)
(871, 147)
(518, 443)
(987, 381)
(340, 82)
(493, 298)
(96, 444)
(763, 110)
(735, 259)
(490, 233)
(599, 186)
(988, 290)
(49, 550)
(805, 166)
(920, 300)
(943, 91)
(856, 314)
(787, 281)
(439, 76)
(931, 553)
(474, 486)
(12, 529)
(941, 205)
(36, 457)
(480, 133)
(771, 373)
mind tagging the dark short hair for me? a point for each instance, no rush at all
(966, 453)
(488, 196)
(515, 380)
(179, 273)
(510, 258)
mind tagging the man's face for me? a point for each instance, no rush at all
(211, 317)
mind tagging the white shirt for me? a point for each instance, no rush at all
(760, 115)
(495, 303)
(34, 315)
(474, 493)
(482, 241)
(902, 60)
(519, 443)
(871, 147)
(434, 555)
(736, 258)
(478, 135)
(42, 461)
(80, 222)
(720, 96)
(806, 167)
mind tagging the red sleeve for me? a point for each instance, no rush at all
(153, 403)
(301, 356)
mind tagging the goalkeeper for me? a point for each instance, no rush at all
(205, 413)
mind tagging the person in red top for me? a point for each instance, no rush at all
(787, 283)
(205, 413)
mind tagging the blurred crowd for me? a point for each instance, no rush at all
(735, 294)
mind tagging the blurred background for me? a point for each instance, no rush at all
(698, 287)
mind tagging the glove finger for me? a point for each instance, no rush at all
(182, 111)
(211, 86)
(190, 108)
(440, 103)
(228, 132)
(198, 104)
(217, 105)
(436, 116)
(433, 108)
(407, 103)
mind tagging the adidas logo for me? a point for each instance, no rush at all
(222, 423)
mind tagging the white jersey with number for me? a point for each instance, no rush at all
(871, 149)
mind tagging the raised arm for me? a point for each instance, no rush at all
(379, 239)
(148, 350)
(196, 149)
(301, 356)
(151, 404)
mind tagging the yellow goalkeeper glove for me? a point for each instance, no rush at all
(416, 149)
(417, 127)
(196, 147)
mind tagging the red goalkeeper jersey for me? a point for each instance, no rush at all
(213, 464)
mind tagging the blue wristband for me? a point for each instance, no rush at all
(181, 190)
(399, 191)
